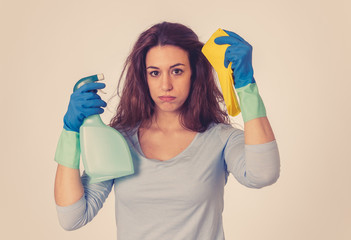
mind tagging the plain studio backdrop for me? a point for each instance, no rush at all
(301, 59)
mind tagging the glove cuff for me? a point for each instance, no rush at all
(251, 103)
(68, 149)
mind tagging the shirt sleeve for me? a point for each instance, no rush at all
(84, 210)
(254, 166)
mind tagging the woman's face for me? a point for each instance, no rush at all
(168, 76)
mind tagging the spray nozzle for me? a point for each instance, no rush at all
(93, 78)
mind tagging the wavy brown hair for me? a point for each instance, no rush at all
(136, 105)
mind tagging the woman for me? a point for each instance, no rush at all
(182, 144)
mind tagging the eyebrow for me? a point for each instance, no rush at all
(175, 65)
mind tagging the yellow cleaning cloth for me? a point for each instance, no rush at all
(215, 55)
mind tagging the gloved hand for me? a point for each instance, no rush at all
(84, 102)
(239, 54)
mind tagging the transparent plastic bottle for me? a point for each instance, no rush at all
(105, 153)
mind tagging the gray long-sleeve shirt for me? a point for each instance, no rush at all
(181, 198)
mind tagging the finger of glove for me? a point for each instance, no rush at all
(89, 96)
(92, 111)
(234, 35)
(91, 87)
(79, 99)
(227, 40)
(96, 103)
(232, 42)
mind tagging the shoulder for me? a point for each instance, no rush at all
(130, 135)
(223, 132)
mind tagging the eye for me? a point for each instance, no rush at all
(154, 73)
(177, 71)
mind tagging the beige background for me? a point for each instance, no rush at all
(302, 66)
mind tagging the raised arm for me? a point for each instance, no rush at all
(257, 163)
(239, 54)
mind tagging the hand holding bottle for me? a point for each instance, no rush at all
(84, 102)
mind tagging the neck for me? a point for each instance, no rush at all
(166, 121)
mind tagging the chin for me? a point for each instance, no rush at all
(168, 109)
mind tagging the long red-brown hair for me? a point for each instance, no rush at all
(136, 105)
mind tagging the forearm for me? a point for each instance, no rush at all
(258, 131)
(68, 186)
(259, 164)
(77, 200)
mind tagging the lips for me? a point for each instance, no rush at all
(166, 98)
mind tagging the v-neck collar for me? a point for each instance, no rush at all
(181, 154)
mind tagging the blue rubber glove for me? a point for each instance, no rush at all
(239, 53)
(84, 102)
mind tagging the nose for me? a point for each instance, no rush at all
(166, 84)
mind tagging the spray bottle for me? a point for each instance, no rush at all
(105, 153)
